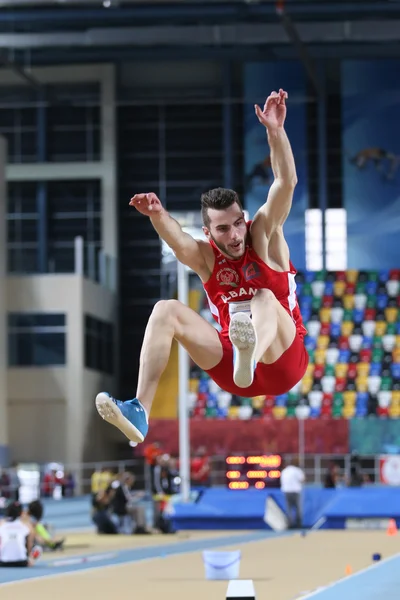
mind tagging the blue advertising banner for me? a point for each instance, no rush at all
(260, 80)
(371, 160)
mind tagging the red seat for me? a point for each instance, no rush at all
(326, 411)
(340, 384)
(343, 342)
(365, 355)
(352, 371)
(269, 401)
(325, 329)
(394, 274)
(350, 288)
(199, 412)
(327, 399)
(341, 276)
(382, 412)
(319, 371)
(327, 301)
(370, 314)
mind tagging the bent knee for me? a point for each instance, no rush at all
(165, 310)
(265, 295)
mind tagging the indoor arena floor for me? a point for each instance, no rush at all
(283, 567)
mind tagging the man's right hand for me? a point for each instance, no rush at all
(147, 204)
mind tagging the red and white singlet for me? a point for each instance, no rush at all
(233, 283)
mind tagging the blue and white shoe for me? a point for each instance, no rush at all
(130, 417)
(244, 340)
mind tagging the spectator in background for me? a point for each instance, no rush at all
(69, 485)
(51, 480)
(332, 477)
(127, 507)
(101, 479)
(15, 483)
(101, 513)
(292, 481)
(5, 491)
(200, 468)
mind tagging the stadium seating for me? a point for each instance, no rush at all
(353, 323)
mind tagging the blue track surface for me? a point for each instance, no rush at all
(380, 581)
(85, 561)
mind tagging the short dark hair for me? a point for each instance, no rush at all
(217, 199)
(13, 511)
(35, 509)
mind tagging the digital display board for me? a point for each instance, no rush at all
(244, 472)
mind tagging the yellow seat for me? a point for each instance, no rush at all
(233, 412)
(394, 411)
(396, 355)
(258, 402)
(348, 301)
(319, 357)
(347, 328)
(396, 397)
(349, 398)
(341, 369)
(363, 369)
(391, 314)
(306, 385)
(323, 342)
(380, 328)
(338, 288)
(351, 275)
(193, 385)
(310, 370)
(325, 315)
(349, 411)
(362, 384)
(397, 342)
(279, 412)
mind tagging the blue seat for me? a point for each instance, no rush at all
(314, 413)
(309, 276)
(361, 411)
(336, 329)
(344, 356)
(383, 275)
(381, 301)
(306, 313)
(395, 370)
(371, 287)
(310, 343)
(203, 386)
(375, 369)
(281, 400)
(367, 342)
(328, 288)
(222, 413)
(212, 401)
(358, 315)
(299, 289)
(305, 302)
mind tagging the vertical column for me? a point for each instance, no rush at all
(3, 311)
(227, 124)
(322, 156)
(108, 157)
(41, 192)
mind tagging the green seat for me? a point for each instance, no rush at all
(377, 341)
(360, 288)
(377, 355)
(320, 276)
(347, 315)
(291, 411)
(293, 399)
(246, 401)
(211, 413)
(338, 398)
(391, 328)
(371, 301)
(337, 402)
(337, 412)
(311, 355)
(316, 303)
(373, 276)
(307, 290)
(386, 384)
(329, 370)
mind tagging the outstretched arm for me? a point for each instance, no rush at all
(273, 213)
(186, 249)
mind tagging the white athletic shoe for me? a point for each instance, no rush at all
(244, 339)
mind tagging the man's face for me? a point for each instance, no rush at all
(228, 230)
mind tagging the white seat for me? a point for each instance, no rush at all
(360, 301)
(303, 411)
(315, 398)
(337, 314)
(374, 384)
(318, 288)
(384, 398)
(214, 387)
(388, 342)
(313, 328)
(328, 384)
(224, 399)
(368, 328)
(332, 355)
(392, 287)
(245, 412)
(192, 399)
(355, 342)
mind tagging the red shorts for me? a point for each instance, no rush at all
(269, 380)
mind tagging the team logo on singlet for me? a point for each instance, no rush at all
(250, 271)
(228, 277)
